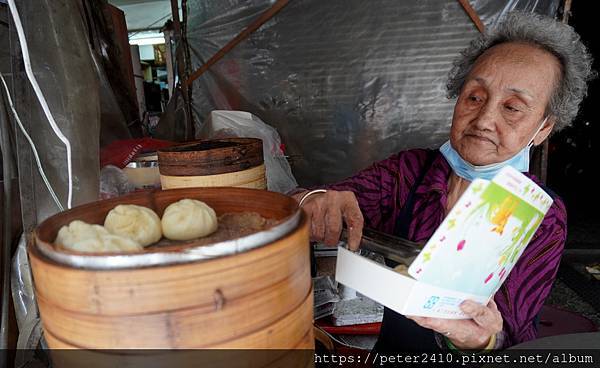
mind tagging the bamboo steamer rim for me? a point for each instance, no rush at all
(227, 155)
(254, 177)
(167, 255)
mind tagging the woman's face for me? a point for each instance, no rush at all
(502, 103)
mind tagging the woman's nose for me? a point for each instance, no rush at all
(487, 118)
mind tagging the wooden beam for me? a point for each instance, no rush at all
(235, 41)
(472, 14)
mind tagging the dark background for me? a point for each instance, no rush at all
(574, 157)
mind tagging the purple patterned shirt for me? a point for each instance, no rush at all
(382, 191)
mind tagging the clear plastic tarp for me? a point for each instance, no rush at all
(4, 45)
(62, 63)
(345, 82)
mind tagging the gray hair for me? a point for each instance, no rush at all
(559, 39)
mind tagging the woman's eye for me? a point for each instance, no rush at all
(512, 108)
(474, 98)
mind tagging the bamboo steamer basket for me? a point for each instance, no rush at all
(232, 162)
(253, 178)
(257, 297)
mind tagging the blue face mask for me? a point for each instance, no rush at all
(467, 170)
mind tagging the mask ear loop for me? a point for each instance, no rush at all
(530, 144)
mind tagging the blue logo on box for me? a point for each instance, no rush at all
(431, 302)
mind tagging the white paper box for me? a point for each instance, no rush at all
(402, 294)
(469, 255)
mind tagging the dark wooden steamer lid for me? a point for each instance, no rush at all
(211, 157)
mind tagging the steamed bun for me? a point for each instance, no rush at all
(137, 223)
(83, 237)
(78, 231)
(188, 219)
(106, 243)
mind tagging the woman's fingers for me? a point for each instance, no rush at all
(333, 226)
(458, 331)
(464, 334)
(488, 317)
(421, 321)
(328, 211)
(355, 235)
(354, 220)
(442, 326)
(317, 221)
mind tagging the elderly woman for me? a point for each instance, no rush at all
(514, 85)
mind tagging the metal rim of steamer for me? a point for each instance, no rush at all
(186, 255)
(138, 164)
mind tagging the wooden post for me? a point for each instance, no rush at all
(168, 33)
(138, 80)
(180, 66)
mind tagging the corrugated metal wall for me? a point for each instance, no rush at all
(345, 82)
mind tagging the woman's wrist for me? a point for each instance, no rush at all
(302, 195)
(295, 192)
(307, 195)
(491, 345)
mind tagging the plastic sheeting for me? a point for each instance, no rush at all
(4, 46)
(23, 297)
(63, 65)
(345, 82)
(26, 310)
(225, 124)
(5, 62)
(62, 62)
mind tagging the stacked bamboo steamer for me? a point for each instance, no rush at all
(257, 299)
(143, 172)
(229, 162)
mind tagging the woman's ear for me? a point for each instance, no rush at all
(545, 131)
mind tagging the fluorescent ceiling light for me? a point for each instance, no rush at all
(147, 41)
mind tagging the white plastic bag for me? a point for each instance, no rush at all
(227, 124)
(114, 182)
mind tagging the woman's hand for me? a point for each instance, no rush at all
(474, 333)
(327, 211)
